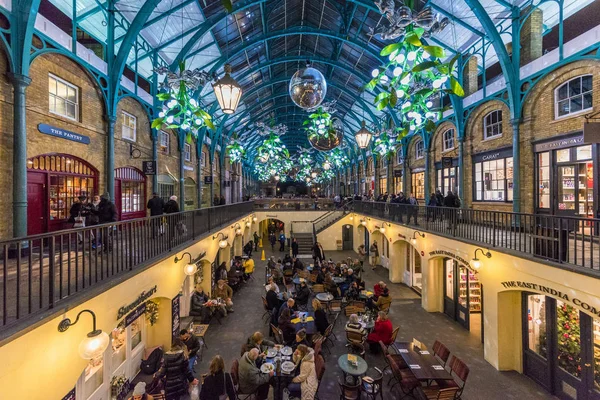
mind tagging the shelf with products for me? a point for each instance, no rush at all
(596, 333)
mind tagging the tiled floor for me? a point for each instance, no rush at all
(483, 382)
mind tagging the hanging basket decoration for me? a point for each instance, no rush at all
(386, 142)
(324, 133)
(273, 151)
(180, 110)
(338, 159)
(304, 164)
(418, 79)
(235, 151)
(398, 17)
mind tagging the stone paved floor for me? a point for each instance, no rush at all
(483, 382)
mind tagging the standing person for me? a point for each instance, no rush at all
(321, 321)
(431, 204)
(222, 201)
(256, 239)
(449, 203)
(248, 267)
(439, 197)
(193, 345)
(78, 214)
(218, 383)
(318, 252)
(294, 248)
(156, 206)
(374, 250)
(272, 240)
(107, 213)
(306, 382)
(216, 200)
(413, 209)
(401, 200)
(282, 241)
(362, 254)
(248, 248)
(176, 372)
(337, 201)
(171, 207)
(251, 379)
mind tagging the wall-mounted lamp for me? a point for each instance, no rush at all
(351, 217)
(382, 227)
(190, 268)
(476, 262)
(238, 229)
(363, 222)
(223, 242)
(248, 224)
(94, 343)
(254, 219)
(414, 238)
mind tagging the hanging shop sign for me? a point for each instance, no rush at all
(574, 140)
(176, 323)
(70, 395)
(449, 254)
(64, 134)
(553, 292)
(140, 299)
(208, 180)
(446, 162)
(149, 167)
(493, 155)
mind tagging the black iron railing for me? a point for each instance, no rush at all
(573, 242)
(293, 204)
(40, 272)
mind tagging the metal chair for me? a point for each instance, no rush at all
(320, 370)
(373, 386)
(278, 334)
(441, 352)
(318, 288)
(349, 391)
(268, 313)
(460, 372)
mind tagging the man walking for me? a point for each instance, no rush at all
(282, 241)
(256, 239)
(413, 208)
(156, 205)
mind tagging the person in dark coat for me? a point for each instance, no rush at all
(286, 326)
(302, 295)
(449, 214)
(78, 208)
(193, 346)
(272, 240)
(248, 248)
(321, 321)
(256, 239)
(171, 207)
(156, 205)
(197, 308)
(318, 253)
(300, 339)
(218, 382)
(272, 298)
(439, 197)
(222, 201)
(176, 372)
(107, 213)
(216, 200)
(431, 204)
(294, 247)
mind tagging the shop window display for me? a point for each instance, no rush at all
(136, 333)
(569, 339)
(119, 353)
(544, 180)
(94, 376)
(418, 185)
(536, 324)
(449, 265)
(469, 290)
(494, 180)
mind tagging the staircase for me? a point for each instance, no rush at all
(305, 242)
(326, 220)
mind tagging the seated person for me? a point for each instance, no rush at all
(223, 291)
(303, 294)
(251, 379)
(273, 302)
(248, 268)
(378, 289)
(381, 331)
(289, 304)
(349, 279)
(321, 321)
(257, 341)
(297, 264)
(271, 263)
(321, 275)
(353, 292)
(330, 286)
(305, 384)
(384, 301)
(221, 272)
(300, 339)
(354, 326)
(287, 259)
(287, 327)
(198, 308)
(271, 281)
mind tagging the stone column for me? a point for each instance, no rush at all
(531, 37)
(461, 171)
(20, 84)
(110, 157)
(427, 170)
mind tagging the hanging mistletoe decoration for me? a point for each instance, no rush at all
(180, 110)
(235, 151)
(419, 78)
(338, 159)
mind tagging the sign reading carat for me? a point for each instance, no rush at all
(64, 134)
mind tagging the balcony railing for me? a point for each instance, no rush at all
(293, 204)
(39, 273)
(569, 241)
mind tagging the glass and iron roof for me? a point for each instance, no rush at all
(267, 41)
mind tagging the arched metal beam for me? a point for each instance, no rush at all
(298, 30)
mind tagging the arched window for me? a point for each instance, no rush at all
(130, 192)
(448, 140)
(492, 125)
(419, 150)
(573, 97)
(166, 186)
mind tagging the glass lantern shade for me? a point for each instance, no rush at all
(363, 136)
(228, 92)
(93, 345)
(190, 269)
(223, 243)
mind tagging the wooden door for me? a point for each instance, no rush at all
(37, 203)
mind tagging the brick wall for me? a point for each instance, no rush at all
(436, 151)
(412, 163)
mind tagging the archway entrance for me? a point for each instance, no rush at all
(191, 194)
(130, 193)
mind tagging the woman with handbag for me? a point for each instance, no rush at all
(218, 384)
(77, 214)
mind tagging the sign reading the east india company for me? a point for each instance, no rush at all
(64, 134)
(140, 299)
(553, 292)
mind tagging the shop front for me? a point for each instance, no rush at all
(398, 186)
(561, 347)
(413, 273)
(565, 177)
(463, 297)
(54, 182)
(493, 176)
(417, 183)
(446, 172)
(130, 193)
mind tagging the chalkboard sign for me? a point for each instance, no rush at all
(213, 272)
(149, 167)
(176, 323)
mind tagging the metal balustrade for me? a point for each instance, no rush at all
(569, 241)
(42, 272)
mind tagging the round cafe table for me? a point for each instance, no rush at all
(354, 371)
(324, 298)
(338, 279)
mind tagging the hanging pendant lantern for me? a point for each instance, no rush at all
(363, 136)
(228, 91)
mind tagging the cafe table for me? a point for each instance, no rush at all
(355, 371)
(324, 298)
(282, 380)
(368, 324)
(309, 325)
(422, 363)
(338, 279)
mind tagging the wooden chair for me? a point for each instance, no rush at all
(317, 346)
(335, 306)
(385, 307)
(303, 274)
(350, 310)
(404, 377)
(312, 278)
(441, 352)
(373, 386)
(320, 370)
(395, 333)
(278, 334)
(243, 349)
(235, 377)
(334, 324)
(359, 305)
(436, 393)
(349, 391)
(327, 337)
(397, 358)
(317, 288)
(460, 372)
(268, 313)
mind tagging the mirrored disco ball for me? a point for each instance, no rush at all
(308, 88)
(328, 141)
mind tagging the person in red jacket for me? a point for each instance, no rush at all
(381, 331)
(378, 289)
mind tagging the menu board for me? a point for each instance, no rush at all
(176, 323)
